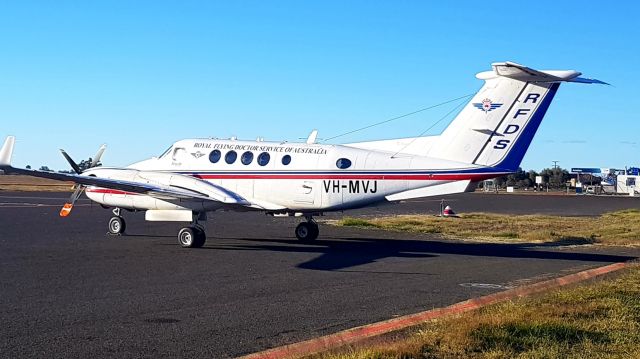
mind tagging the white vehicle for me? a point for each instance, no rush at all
(487, 139)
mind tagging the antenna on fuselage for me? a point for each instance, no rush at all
(312, 137)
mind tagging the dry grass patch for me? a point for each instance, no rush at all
(596, 320)
(32, 184)
(617, 228)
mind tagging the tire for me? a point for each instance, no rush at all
(191, 237)
(186, 237)
(117, 225)
(201, 238)
(307, 231)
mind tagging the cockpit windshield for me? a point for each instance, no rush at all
(166, 151)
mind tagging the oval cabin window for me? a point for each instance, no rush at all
(343, 163)
(246, 158)
(214, 156)
(230, 157)
(263, 159)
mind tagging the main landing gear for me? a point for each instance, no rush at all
(307, 231)
(194, 235)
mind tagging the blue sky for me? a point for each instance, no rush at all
(139, 75)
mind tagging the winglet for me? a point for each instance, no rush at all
(7, 151)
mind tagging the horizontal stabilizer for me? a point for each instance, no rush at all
(523, 73)
(437, 190)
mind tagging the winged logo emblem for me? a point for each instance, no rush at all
(197, 154)
(486, 105)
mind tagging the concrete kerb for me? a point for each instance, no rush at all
(351, 336)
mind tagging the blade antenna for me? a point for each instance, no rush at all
(98, 156)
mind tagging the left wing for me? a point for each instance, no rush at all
(202, 190)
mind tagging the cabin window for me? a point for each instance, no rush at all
(214, 156)
(263, 158)
(343, 163)
(631, 181)
(230, 157)
(246, 158)
(286, 160)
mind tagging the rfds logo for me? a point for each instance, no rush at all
(486, 105)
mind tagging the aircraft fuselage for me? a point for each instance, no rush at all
(285, 177)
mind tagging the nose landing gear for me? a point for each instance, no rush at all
(307, 231)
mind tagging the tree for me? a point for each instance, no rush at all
(556, 177)
(45, 168)
(28, 167)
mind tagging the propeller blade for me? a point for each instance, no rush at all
(98, 156)
(73, 164)
(66, 209)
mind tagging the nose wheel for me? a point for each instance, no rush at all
(307, 231)
(192, 237)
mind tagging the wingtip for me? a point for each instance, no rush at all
(7, 151)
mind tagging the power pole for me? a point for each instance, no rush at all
(555, 164)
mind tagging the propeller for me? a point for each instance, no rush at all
(95, 162)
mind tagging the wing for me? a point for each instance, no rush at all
(181, 187)
(213, 193)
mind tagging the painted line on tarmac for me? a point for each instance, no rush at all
(52, 198)
(33, 205)
(350, 336)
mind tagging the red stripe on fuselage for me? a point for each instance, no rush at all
(434, 177)
(110, 191)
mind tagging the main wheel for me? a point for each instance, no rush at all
(117, 225)
(191, 237)
(201, 237)
(307, 231)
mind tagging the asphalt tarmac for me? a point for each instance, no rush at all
(67, 290)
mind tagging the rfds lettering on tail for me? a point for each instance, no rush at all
(194, 178)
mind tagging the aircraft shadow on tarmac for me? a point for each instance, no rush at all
(344, 253)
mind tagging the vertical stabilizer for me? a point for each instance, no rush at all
(497, 126)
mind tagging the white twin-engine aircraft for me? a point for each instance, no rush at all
(487, 139)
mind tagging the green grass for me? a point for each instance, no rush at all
(596, 320)
(616, 228)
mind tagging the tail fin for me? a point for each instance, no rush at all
(497, 126)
